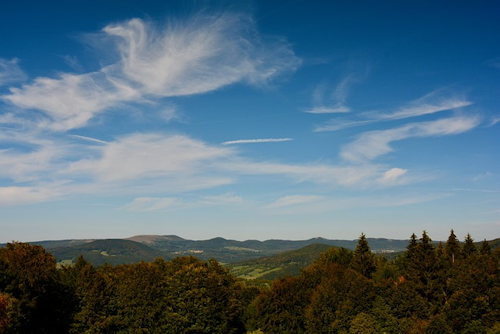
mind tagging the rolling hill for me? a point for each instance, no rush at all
(149, 247)
(279, 265)
(111, 251)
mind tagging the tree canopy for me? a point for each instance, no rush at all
(445, 288)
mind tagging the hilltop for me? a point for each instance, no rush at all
(149, 247)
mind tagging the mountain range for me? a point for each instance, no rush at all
(149, 247)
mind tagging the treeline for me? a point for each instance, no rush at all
(449, 288)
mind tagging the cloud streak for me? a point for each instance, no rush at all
(256, 141)
(148, 204)
(373, 144)
(294, 200)
(429, 104)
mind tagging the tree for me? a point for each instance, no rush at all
(364, 323)
(281, 309)
(363, 259)
(6, 309)
(28, 275)
(485, 248)
(335, 302)
(469, 247)
(452, 248)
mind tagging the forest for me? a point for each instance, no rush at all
(449, 287)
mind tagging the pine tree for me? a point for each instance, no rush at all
(423, 270)
(363, 260)
(485, 248)
(469, 246)
(452, 248)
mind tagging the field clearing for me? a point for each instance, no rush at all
(252, 272)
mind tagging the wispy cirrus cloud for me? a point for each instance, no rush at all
(150, 164)
(256, 141)
(15, 195)
(372, 144)
(183, 58)
(147, 204)
(10, 71)
(422, 107)
(294, 200)
(338, 98)
(89, 139)
(73, 62)
(148, 155)
(392, 176)
(431, 103)
(225, 199)
(319, 173)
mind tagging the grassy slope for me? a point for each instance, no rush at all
(279, 265)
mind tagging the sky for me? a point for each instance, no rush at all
(249, 120)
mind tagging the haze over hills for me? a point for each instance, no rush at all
(149, 247)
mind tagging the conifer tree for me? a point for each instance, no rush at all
(363, 260)
(485, 248)
(452, 248)
(469, 246)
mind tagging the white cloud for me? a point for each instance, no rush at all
(294, 200)
(225, 199)
(373, 144)
(149, 155)
(428, 104)
(169, 114)
(324, 174)
(147, 204)
(10, 72)
(185, 58)
(73, 62)
(329, 110)
(481, 177)
(392, 176)
(339, 124)
(256, 141)
(431, 103)
(71, 100)
(23, 195)
(494, 121)
(30, 159)
(339, 97)
(93, 140)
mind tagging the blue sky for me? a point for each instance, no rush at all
(249, 120)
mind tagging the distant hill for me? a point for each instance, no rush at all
(111, 251)
(233, 251)
(149, 247)
(493, 243)
(279, 265)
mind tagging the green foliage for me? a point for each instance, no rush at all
(363, 260)
(447, 289)
(364, 323)
(452, 249)
(109, 251)
(485, 248)
(33, 296)
(284, 264)
(469, 247)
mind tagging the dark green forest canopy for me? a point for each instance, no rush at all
(449, 287)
